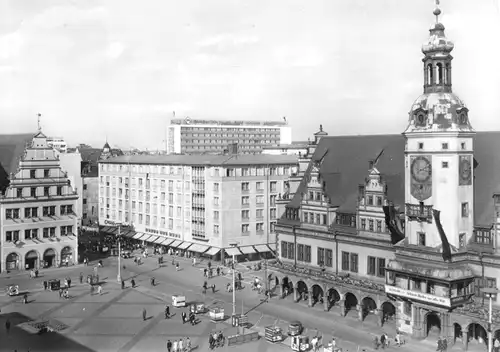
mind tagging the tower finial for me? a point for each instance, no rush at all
(39, 125)
(437, 11)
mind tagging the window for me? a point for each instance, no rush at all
(216, 187)
(260, 186)
(272, 214)
(323, 222)
(379, 201)
(12, 236)
(306, 217)
(300, 252)
(421, 239)
(354, 262)
(420, 146)
(59, 190)
(444, 164)
(245, 186)
(370, 225)
(381, 267)
(245, 200)
(31, 212)
(12, 213)
(66, 209)
(273, 185)
(216, 215)
(329, 258)
(463, 145)
(320, 260)
(46, 191)
(19, 193)
(379, 225)
(461, 240)
(259, 213)
(272, 225)
(444, 146)
(371, 269)
(216, 229)
(482, 236)
(216, 200)
(363, 224)
(272, 200)
(370, 200)
(66, 230)
(259, 227)
(284, 247)
(245, 214)
(291, 251)
(307, 253)
(345, 261)
(487, 282)
(245, 228)
(33, 191)
(32, 173)
(260, 199)
(465, 210)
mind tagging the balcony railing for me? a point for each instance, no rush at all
(419, 212)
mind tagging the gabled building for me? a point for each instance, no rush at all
(38, 224)
(402, 226)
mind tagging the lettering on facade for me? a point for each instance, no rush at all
(424, 297)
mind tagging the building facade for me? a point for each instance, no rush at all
(202, 201)
(37, 212)
(190, 136)
(58, 143)
(296, 148)
(71, 163)
(400, 226)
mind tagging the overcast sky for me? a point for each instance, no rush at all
(119, 68)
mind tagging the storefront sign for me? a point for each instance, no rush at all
(420, 296)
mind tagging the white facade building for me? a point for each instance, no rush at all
(57, 143)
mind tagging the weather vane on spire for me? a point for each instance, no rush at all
(39, 125)
(437, 10)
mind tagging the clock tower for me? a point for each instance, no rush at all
(439, 189)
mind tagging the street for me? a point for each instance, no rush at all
(93, 319)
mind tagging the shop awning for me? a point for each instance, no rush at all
(199, 248)
(144, 237)
(247, 250)
(138, 235)
(167, 242)
(152, 239)
(128, 234)
(175, 244)
(232, 251)
(159, 240)
(262, 248)
(113, 230)
(184, 245)
(212, 251)
(104, 229)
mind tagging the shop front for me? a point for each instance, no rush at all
(12, 261)
(49, 258)
(31, 260)
(66, 256)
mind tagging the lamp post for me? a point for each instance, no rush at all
(490, 292)
(234, 245)
(119, 276)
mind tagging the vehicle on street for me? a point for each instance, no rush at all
(295, 328)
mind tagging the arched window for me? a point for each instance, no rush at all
(448, 74)
(430, 75)
(440, 73)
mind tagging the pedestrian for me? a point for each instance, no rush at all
(60, 292)
(144, 314)
(213, 288)
(132, 282)
(188, 345)
(123, 284)
(180, 345)
(152, 281)
(496, 345)
(25, 298)
(81, 278)
(183, 316)
(69, 282)
(169, 346)
(99, 289)
(218, 271)
(45, 285)
(7, 326)
(174, 347)
(205, 271)
(177, 266)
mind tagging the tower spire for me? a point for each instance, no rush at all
(39, 125)
(437, 11)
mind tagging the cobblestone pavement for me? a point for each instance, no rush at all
(113, 322)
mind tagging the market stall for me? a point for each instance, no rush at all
(216, 312)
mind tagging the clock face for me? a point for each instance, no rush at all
(465, 170)
(421, 170)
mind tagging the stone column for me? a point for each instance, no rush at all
(359, 308)
(310, 298)
(380, 316)
(342, 307)
(465, 336)
(295, 294)
(325, 302)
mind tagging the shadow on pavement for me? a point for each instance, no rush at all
(21, 340)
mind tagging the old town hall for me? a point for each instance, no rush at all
(399, 228)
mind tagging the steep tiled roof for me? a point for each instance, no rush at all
(11, 149)
(195, 159)
(347, 161)
(90, 154)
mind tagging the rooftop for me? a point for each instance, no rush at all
(204, 160)
(190, 121)
(347, 162)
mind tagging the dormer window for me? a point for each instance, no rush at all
(444, 146)
(420, 146)
(463, 145)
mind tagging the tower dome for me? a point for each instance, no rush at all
(438, 108)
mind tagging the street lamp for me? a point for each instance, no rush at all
(490, 292)
(119, 275)
(234, 245)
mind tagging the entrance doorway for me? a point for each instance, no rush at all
(66, 256)
(12, 262)
(31, 261)
(49, 258)
(433, 325)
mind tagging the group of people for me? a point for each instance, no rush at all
(398, 341)
(181, 345)
(216, 339)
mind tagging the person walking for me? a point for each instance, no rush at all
(174, 347)
(81, 278)
(180, 345)
(132, 282)
(99, 290)
(169, 346)
(183, 316)
(144, 314)
(7, 326)
(45, 285)
(188, 344)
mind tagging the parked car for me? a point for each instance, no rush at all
(295, 328)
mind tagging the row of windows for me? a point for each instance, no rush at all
(315, 218)
(47, 232)
(45, 173)
(34, 192)
(371, 225)
(32, 212)
(259, 186)
(444, 146)
(259, 214)
(316, 196)
(229, 129)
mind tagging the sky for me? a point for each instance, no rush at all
(117, 69)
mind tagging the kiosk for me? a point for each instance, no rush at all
(54, 284)
(273, 334)
(216, 312)
(197, 308)
(300, 343)
(178, 301)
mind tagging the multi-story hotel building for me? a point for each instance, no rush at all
(38, 224)
(194, 202)
(58, 143)
(190, 136)
(401, 226)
